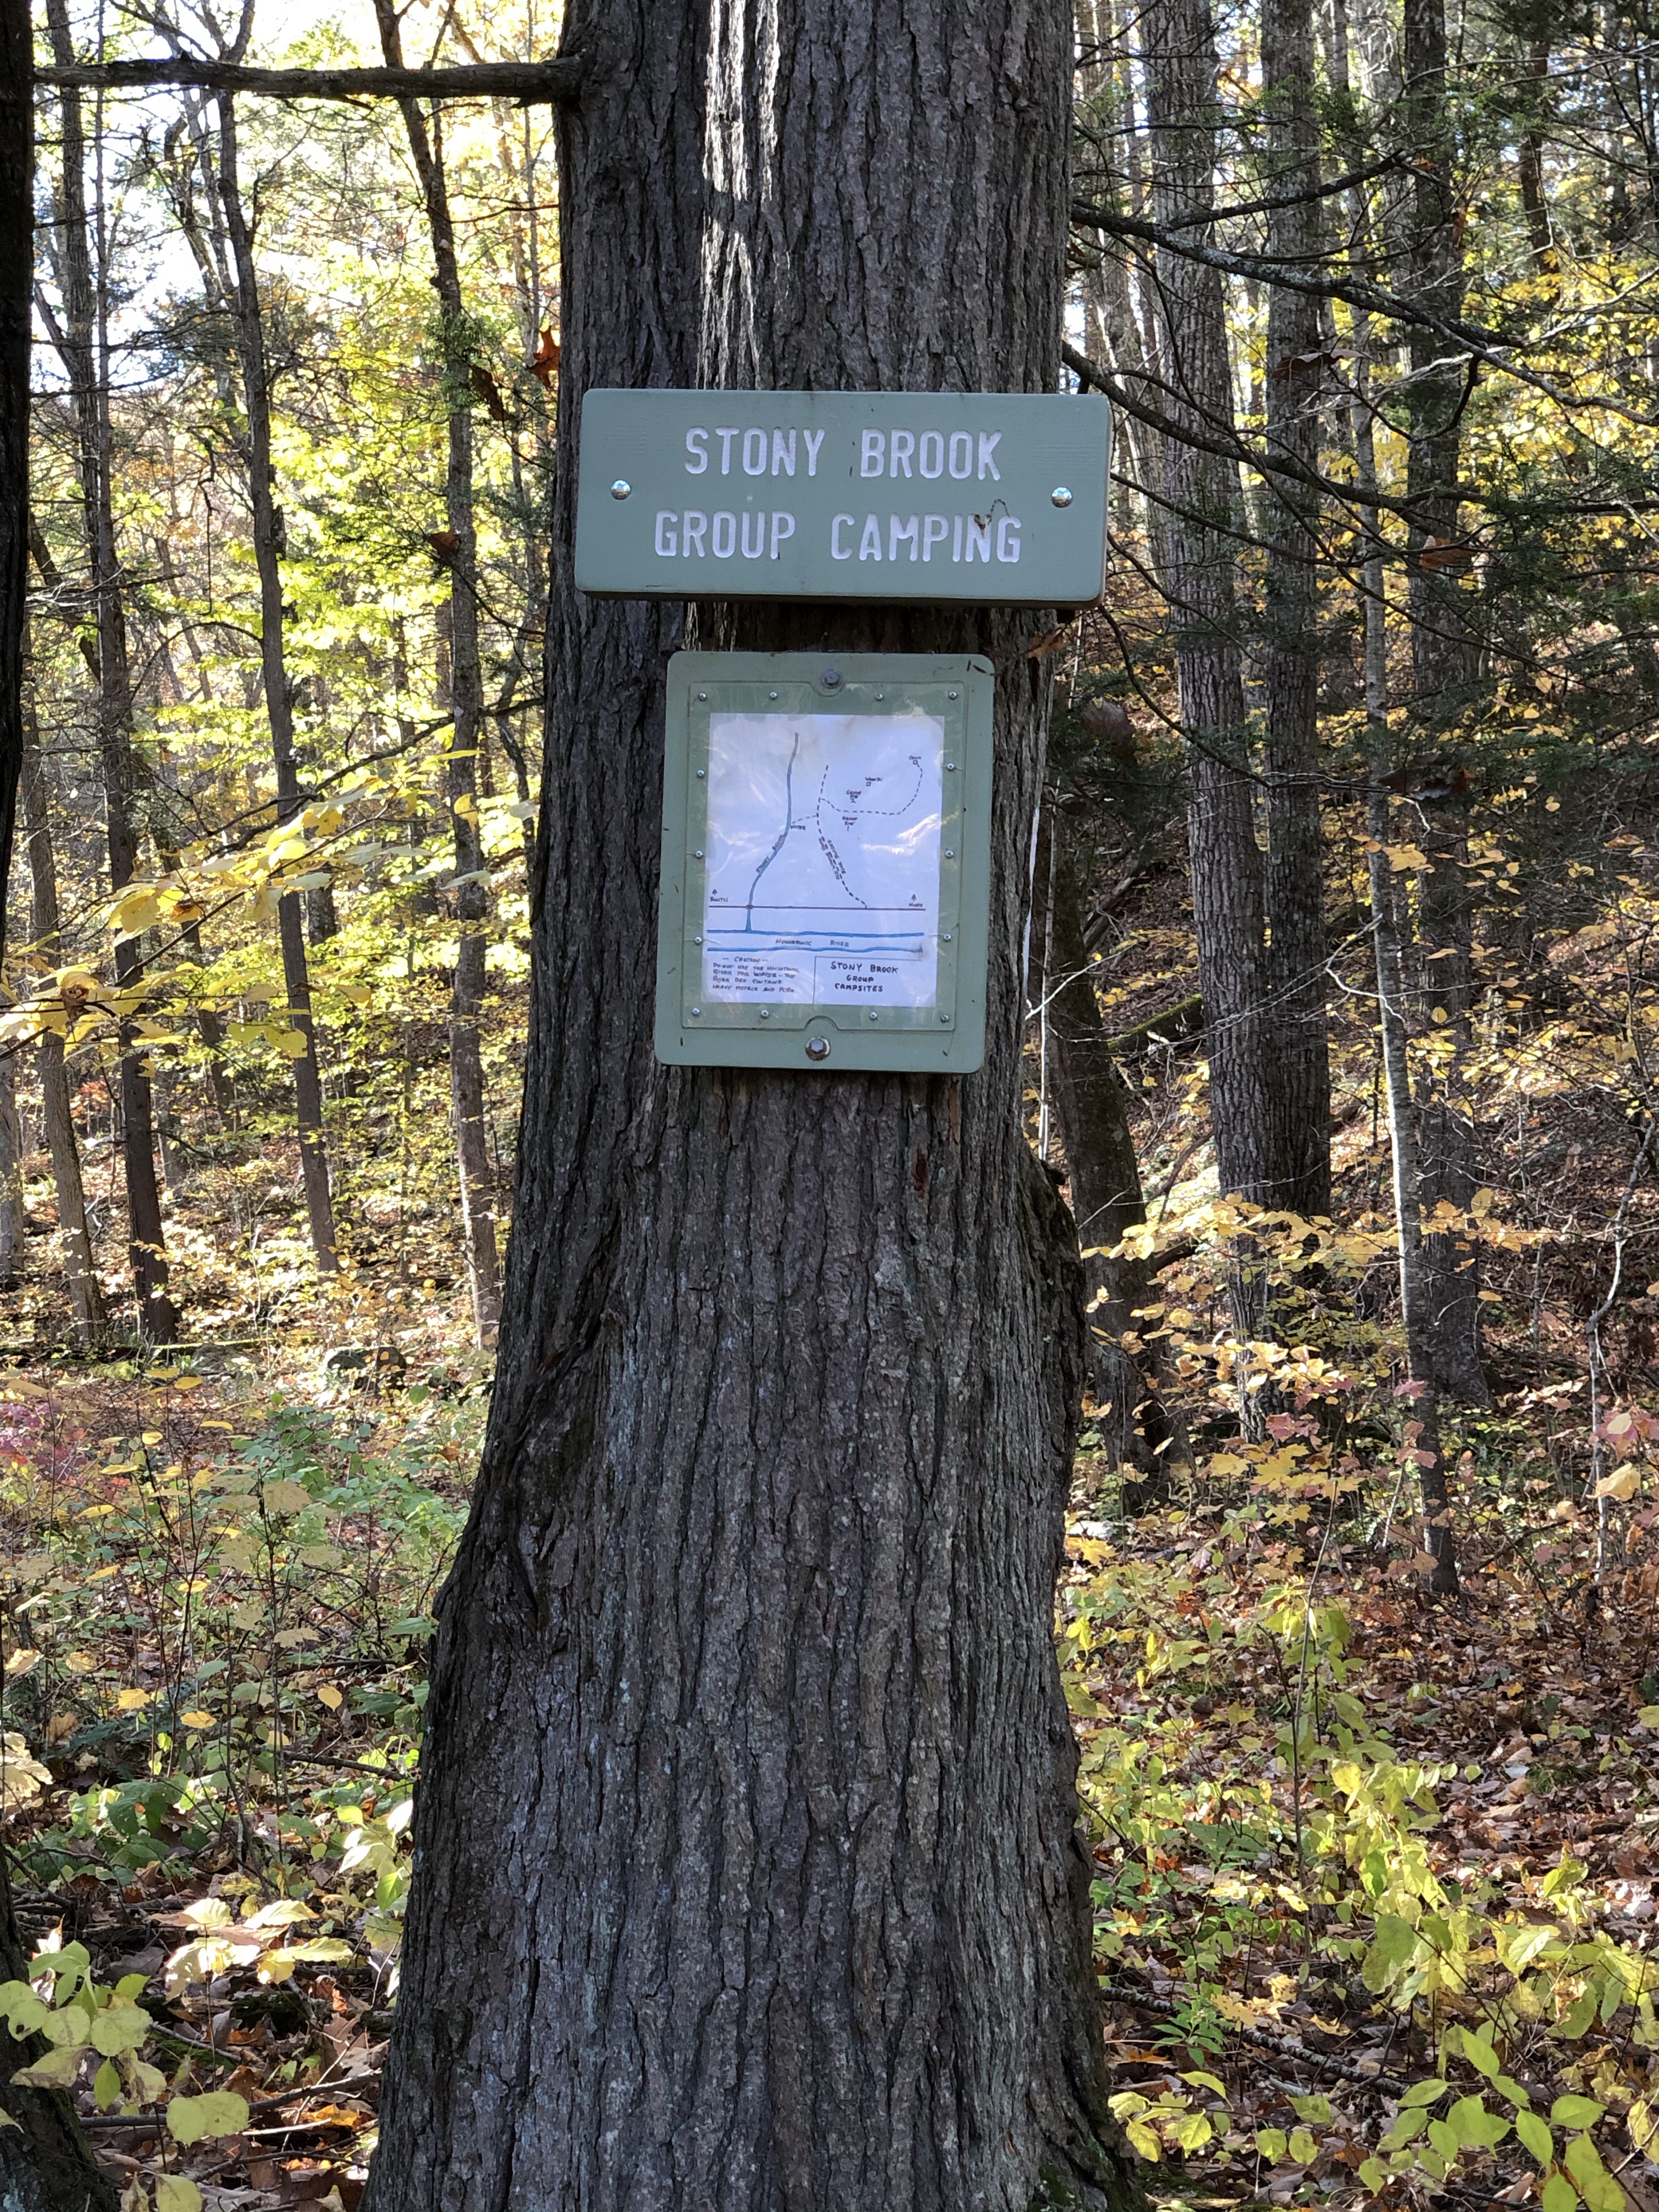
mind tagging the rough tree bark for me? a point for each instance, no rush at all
(1198, 538)
(85, 355)
(1092, 1106)
(45, 2166)
(747, 1868)
(466, 703)
(255, 442)
(1295, 958)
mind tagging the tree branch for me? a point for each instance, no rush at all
(1235, 448)
(527, 83)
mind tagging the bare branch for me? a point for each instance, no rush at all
(528, 82)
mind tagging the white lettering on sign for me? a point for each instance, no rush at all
(882, 455)
(757, 534)
(692, 534)
(753, 452)
(971, 537)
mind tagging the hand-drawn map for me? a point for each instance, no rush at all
(823, 843)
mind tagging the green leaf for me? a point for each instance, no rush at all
(1405, 2126)
(1374, 2175)
(1270, 2143)
(56, 2070)
(130, 1986)
(1422, 2092)
(1582, 2015)
(1596, 2184)
(1194, 2131)
(220, 2112)
(1560, 2195)
(123, 2027)
(1575, 2111)
(23, 2010)
(1206, 2081)
(1444, 2136)
(106, 2086)
(1480, 2055)
(1518, 1946)
(1536, 2137)
(1394, 1943)
(1303, 2147)
(174, 2194)
(1506, 2088)
(1316, 2111)
(1474, 2127)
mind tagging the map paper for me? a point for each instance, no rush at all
(823, 869)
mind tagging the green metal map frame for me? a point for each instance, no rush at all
(943, 1033)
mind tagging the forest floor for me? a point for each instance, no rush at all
(1374, 1876)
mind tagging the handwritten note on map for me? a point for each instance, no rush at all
(823, 843)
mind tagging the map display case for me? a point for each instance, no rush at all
(826, 862)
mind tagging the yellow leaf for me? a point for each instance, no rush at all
(174, 2193)
(329, 1696)
(196, 1720)
(1623, 1482)
(285, 1497)
(291, 1044)
(132, 1701)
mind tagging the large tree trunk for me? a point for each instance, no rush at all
(86, 359)
(255, 442)
(1294, 962)
(1197, 543)
(748, 1874)
(466, 703)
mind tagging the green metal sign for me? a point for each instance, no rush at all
(826, 862)
(995, 498)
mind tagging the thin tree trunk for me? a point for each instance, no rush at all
(1093, 1110)
(249, 320)
(16, 282)
(45, 2163)
(1529, 156)
(475, 1175)
(74, 1239)
(14, 1223)
(1442, 670)
(1295, 962)
(1197, 550)
(86, 363)
(748, 1872)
